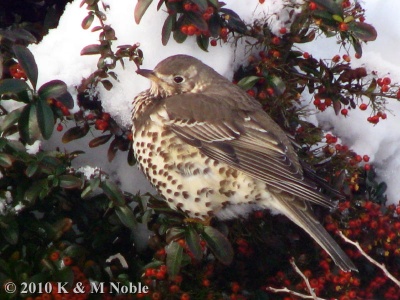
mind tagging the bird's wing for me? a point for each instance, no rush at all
(246, 140)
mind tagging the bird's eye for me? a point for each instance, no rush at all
(178, 79)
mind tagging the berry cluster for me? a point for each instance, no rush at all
(17, 72)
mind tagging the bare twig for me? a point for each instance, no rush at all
(286, 290)
(380, 266)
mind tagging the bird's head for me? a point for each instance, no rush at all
(177, 75)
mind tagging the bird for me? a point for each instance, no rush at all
(211, 151)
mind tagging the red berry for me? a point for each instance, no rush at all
(174, 288)
(385, 88)
(358, 158)
(283, 30)
(213, 43)
(344, 111)
(366, 158)
(336, 58)
(276, 40)
(357, 55)
(60, 127)
(312, 6)
(106, 116)
(306, 55)
(346, 58)
(398, 94)
(270, 91)
(55, 255)
(261, 1)
(379, 81)
(187, 6)
(276, 54)
(251, 93)
(386, 80)
(185, 296)
(67, 260)
(343, 26)
(363, 106)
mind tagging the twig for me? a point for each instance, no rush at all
(286, 290)
(380, 266)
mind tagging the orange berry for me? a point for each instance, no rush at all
(191, 29)
(55, 255)
(185, 296)
(343, 26)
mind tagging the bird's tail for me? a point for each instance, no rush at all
(300, 213)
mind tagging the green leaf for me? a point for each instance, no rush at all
(248, 82)
(13, 86)
(64, 275)
(174, 258)
(11, 232)
(174, 233)
(27, 62)
(218, 244)
(6, 160)
(28, 125)
(193, 242)
(45, 118)
(140, 9)
(167, 29)
(74, 133)
(31, 169)
(277, 84)
(70, 182)
(56, 89)
(113, 192)
(126, 216)
(202, 4)
(337, 18)
(179, 37)
(332, 6)
(214, 25)
(100, 140)
(10, 119)
(203, 42)
(34, 190)
(196, 20)
(214, 3)
(363, 31)
(87, 21)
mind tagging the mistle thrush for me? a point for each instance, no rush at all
(210, 150)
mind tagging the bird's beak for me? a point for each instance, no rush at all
(148, 74)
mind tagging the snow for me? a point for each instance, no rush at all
(58, 57)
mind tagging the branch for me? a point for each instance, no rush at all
(380, 266)
(286, 290)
